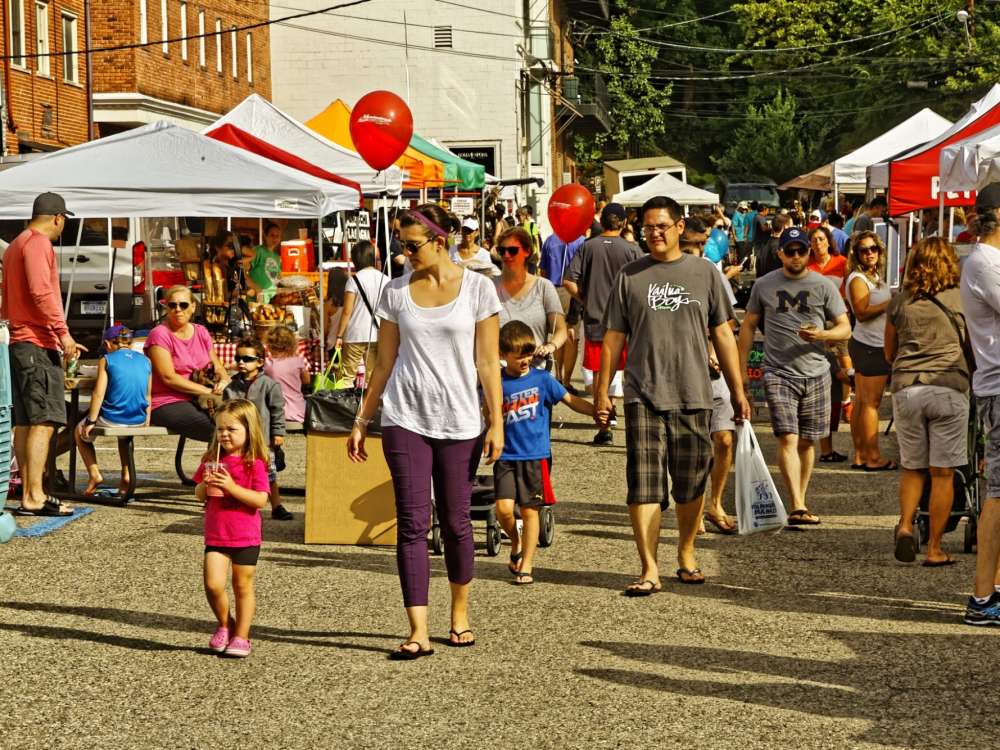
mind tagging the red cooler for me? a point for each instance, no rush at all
(298, 256)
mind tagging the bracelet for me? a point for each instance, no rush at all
(362, 422)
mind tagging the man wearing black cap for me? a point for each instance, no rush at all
(590, 278)
(39, 341)
(795, 305)
(980, 288)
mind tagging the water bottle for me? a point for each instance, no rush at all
(359, 379)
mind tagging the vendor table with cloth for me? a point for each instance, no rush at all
(308, 350)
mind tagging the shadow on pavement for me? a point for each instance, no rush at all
(886, 682)
(73, 634)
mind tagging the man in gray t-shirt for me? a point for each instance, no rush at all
(661, 307)
(794, 305)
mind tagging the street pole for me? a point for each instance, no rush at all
(90, 70)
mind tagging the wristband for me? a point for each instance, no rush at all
(89, 422)
(362, 422)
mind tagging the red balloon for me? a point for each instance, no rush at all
(571, 211)
(381, 128)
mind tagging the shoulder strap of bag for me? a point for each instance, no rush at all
(364, 298)
(963, 341)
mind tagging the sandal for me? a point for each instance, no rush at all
(802, 517)
(457, 643)
(832, 458)
(519, 579)
(727, 530)
(404, 654)
(643, 587)
(512, 565)
(906, 546)
(51, 507)
(889, 465)
(690, 576)
(939, 563)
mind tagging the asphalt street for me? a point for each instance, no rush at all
(802, 639)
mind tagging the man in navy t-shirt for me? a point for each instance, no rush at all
(528, 397)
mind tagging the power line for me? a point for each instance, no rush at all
(174, 40)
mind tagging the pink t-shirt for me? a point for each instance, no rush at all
(287, 372)
(228, 522)
(188, 356)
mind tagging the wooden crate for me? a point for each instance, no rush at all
(347, 503)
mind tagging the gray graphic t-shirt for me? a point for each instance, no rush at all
(786, 304)
(664, 308)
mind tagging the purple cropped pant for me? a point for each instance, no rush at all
(415, 461)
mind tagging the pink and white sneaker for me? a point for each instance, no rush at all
(220, 640)
(238, 647)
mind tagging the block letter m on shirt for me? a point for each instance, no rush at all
(799, 302)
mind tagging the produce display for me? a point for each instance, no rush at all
(271, 314)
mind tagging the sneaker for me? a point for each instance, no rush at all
(604, 438)
(238, 647)
(983, 614)
(281, 513)
(220, 640)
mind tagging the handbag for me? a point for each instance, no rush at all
(332, 378)
(334, 411)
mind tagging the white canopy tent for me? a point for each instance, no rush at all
(971, 163)
(668, 185)
(262, 119)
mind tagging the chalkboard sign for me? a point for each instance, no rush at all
(755, 373)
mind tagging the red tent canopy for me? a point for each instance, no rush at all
(913, 177)
(235, 136)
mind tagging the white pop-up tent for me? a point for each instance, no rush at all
(260, 118)
(166, 170)
(971, 163)
(667, 185)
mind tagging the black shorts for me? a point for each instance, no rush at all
(38, 388)
(520, 481)
(185, 418)
(868, 361)
(237, 555)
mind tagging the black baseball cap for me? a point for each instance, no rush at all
(989, 197)
(614, 209)
(50, 204)
(793, 236)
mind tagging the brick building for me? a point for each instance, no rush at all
(188, 82)
(44, 99)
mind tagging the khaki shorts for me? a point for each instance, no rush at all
(932, 424)
(564, 299)
(354, 353)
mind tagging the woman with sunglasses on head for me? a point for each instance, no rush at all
(179, 348)
(529, 298)
(868, 296)
(438, 337)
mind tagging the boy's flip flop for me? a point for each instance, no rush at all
(643, 587)
(51, 507)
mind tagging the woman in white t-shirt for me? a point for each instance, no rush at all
(438, 337)
(868, 295)
(468, 253)
(357, 333)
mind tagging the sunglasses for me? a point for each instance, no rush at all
(177, 305)
(246, 358)
(868, 249)
(795, 250)
(412, 247)
(509, 249)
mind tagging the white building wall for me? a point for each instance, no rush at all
(464, 96)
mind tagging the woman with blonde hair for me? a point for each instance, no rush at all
(868, 296)
(924, 332)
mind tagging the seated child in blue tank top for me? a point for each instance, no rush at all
(528, 397)
(121, 398)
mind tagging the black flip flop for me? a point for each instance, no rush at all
(639, 588)
(939, 563)
(889, 465)
(460, 644)
(51, 507)
(514, 560)
(798, 518)
(858, 467)
(404, 654)
(690, 577)
(906, 546)
(519, 579)
(832, 458)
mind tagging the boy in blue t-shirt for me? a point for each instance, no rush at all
(528, 396)
(121, 399)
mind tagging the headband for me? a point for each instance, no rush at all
(428, 223)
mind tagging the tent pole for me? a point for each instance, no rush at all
(388, 242)
(951, 223)
(72, 270)
(836, 194)
(322, 295)
(940, 210)
(111, 276)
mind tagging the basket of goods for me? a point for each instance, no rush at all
(266, 317)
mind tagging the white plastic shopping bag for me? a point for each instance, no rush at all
(758, 506)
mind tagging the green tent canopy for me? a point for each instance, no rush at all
(469, 176)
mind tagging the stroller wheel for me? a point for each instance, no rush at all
(493, 542)
(547, 522)
(970, 535)
(924, 528)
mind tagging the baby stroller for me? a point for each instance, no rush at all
(970, 486)
(484, 509)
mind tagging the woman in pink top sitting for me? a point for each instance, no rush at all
(179, 348)
(289, 370)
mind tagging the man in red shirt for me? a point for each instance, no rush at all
(39, 341)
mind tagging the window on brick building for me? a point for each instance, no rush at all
(201, 38)
(71, 63)
(249, 57)
(143, 22)
(164, 28)
(184, 31)
(218, 45)
(442, 37)
(43, 62)
(15, 12)
(232, 44)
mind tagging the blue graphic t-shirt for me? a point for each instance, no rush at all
(527, 401)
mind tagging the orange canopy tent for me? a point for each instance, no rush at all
(334, 123)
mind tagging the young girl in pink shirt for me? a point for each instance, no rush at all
(232, 483)
(289, 370)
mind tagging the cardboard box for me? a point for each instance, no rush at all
(347, 503)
